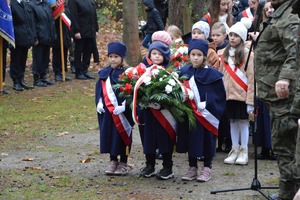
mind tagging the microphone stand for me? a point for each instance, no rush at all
(255, 185)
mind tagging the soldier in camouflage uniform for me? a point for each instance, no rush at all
(295, 110)
(276, 74)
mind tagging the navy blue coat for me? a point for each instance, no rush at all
(110, 140)
(199, 141)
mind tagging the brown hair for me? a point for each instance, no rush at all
(214, 11)
(238, 56)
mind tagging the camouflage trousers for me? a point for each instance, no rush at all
(286, 144)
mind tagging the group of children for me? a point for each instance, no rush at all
(220, 75)
(208, 86)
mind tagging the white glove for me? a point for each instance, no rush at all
(201, 105)
(250, 109)
(100, 108)
(119, 109)
(154, 106)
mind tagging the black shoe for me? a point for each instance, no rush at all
(147, 171)
(219, 149)
(59, 78)
(17, 87)
(89, 76)
(45, 80)
(267, 155)
(25, 85)
(165, 174)
(39, 83)
(2, 92)
(73, 69)
(80, 77)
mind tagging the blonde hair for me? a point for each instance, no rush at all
(174, 31)
(219, 25)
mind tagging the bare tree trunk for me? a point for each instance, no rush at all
(199, 9)
(175, 14)
(186, 16)
(179, 15)
(130, 32)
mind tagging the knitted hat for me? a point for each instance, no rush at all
(202, 26)
(162, 48)
(241, 28)
(162, 36)
(199, 44)
(118, 48)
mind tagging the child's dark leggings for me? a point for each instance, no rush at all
(123, 158)
(193, 162)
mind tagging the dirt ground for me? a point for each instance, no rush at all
(68, 150)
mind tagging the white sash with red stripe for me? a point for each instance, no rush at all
(208, 120)
(236, 74)
(123, 126)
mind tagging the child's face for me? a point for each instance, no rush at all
(196, 58)
(198, 34)
(218, 36)
(234, 39)
(156, 57)
(224, 6)
(115, 60)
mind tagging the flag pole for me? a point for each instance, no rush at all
(1, 65)
(62, 49)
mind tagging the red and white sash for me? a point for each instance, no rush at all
(236, 74)
(123, 126)
(208, 120)
(164, 117)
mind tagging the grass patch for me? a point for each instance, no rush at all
(229, 173)
(66, 107)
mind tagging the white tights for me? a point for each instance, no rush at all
(239, 129)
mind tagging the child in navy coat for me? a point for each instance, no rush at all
(155, 134)
(114, 117)
(208, 106)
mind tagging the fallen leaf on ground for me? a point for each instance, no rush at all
(33, 168)
(62, 134)
(86, 160)
(27, 159)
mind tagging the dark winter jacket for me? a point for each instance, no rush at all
(154, 21)
(24, 25)
(65, 30)
(84, 18)
(44, 22)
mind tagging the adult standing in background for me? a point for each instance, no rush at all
(56, 49)
(85, 29)
(45, 35)
(276, 75)
(25, 37)
(162, 7)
